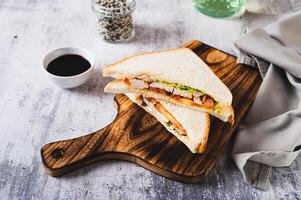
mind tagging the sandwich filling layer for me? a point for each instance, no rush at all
(182, 94)
(169, 119)
(190, 126)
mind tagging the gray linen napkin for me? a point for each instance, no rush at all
(271, 132)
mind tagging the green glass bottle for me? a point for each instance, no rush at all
(220, 8)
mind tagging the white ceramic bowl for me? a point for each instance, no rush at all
(69, 81)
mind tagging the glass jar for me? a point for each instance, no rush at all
(220, 8)
(115, 20)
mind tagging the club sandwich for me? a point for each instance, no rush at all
(176, 76)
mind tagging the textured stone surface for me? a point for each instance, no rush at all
(35, 112)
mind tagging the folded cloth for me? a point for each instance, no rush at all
(271, 133)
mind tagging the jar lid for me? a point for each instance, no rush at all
(121, 11)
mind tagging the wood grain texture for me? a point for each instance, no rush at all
(136, 136)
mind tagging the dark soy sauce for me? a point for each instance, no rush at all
(68, 65)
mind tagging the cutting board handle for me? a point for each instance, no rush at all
(63, 156)
(66, 155)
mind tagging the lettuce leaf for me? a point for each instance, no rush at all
(168, 124)
(181, 87)
(217, 108)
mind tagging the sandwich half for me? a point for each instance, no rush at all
(177, 76)
(189, 126)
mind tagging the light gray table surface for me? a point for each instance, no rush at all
(34, 111)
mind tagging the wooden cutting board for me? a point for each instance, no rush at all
(138, 137)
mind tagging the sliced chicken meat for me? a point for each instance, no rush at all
(161, 109)
(182, 93)
(194, 99)
(138, 84)
(161, 86)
